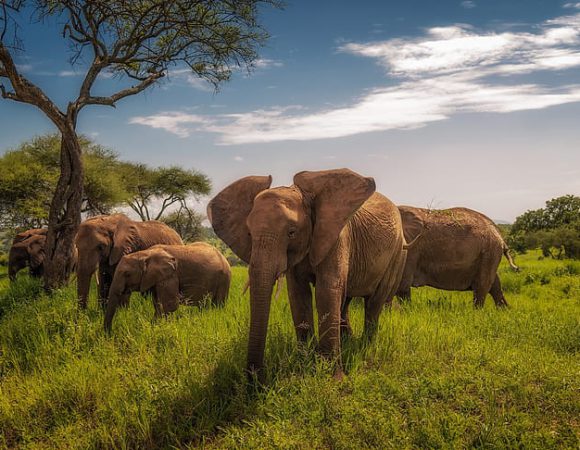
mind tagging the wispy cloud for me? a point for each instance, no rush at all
(446, 71)
(265, 63)
(173, 122)
(238, 158)
(68, 73)
(468, 4)
(571, 5)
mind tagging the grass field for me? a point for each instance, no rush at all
(439, 375)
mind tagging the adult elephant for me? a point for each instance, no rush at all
(458, 250)
(173, 274)
(103, 240)
(27, 250)
(329, 229)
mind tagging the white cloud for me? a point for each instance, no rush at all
(448, 70)
(265, 63)
(571, 5)
(468, 4)
(173, 122)
(68, 73)
(238, 158)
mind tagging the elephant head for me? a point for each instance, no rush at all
(94, 242)
(275, 229)
(141, 271)
(35, 248)
(27, 250)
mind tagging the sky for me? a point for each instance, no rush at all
(450, 103)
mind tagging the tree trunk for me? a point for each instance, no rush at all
(65, 211)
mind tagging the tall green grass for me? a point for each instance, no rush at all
(439, 375)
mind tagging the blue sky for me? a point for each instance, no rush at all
(447, 103)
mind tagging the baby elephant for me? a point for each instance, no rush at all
(170, 273)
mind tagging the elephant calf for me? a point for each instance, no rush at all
(27, 250)
(171, 273)
(458, 249)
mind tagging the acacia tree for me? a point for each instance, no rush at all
(138, 40)
(29, 174)
(153, 191)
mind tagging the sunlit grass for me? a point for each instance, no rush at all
(439, 374)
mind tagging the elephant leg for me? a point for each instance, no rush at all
(480, 291)
(328, 302)
(497, 293)
(300, 296)
(485, 280)
(105, 280)
(345, 328)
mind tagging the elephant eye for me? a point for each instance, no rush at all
(292, 233)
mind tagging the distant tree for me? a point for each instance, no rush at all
(187, 223)
(554, 229)
(153, 192)
(138, 41)
(29, 176)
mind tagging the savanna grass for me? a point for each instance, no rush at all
(439, 375)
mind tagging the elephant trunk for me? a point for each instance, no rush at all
(264, 271)
(85, 272)
(116, 297)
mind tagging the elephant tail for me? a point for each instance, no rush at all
(506, 252)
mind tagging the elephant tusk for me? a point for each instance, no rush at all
(246, 287)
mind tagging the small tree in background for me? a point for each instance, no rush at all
(152, 192)
(136, 40)
(554, 229)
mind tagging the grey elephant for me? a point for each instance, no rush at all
(27, 250)
(173, 274)
(329, 229)
(457, 249)
(102, 241)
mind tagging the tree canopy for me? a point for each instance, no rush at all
(557, 226)
(29, 173)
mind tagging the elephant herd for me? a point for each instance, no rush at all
(330, 230)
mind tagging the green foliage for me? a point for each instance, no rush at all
(554, 229)
(187, 223)
(439, 375)
(28, 177)
(163, 186)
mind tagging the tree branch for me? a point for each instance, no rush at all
(111, 100)
(25, 91)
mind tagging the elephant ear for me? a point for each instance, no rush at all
(125, 241)
(160, 266)
(413, 224)
(228, 211)
(337, 195)
(35, 248)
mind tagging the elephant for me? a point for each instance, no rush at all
(27, 250)
(172, 273)
(458, 249)
(103, 240)
(329, 229)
